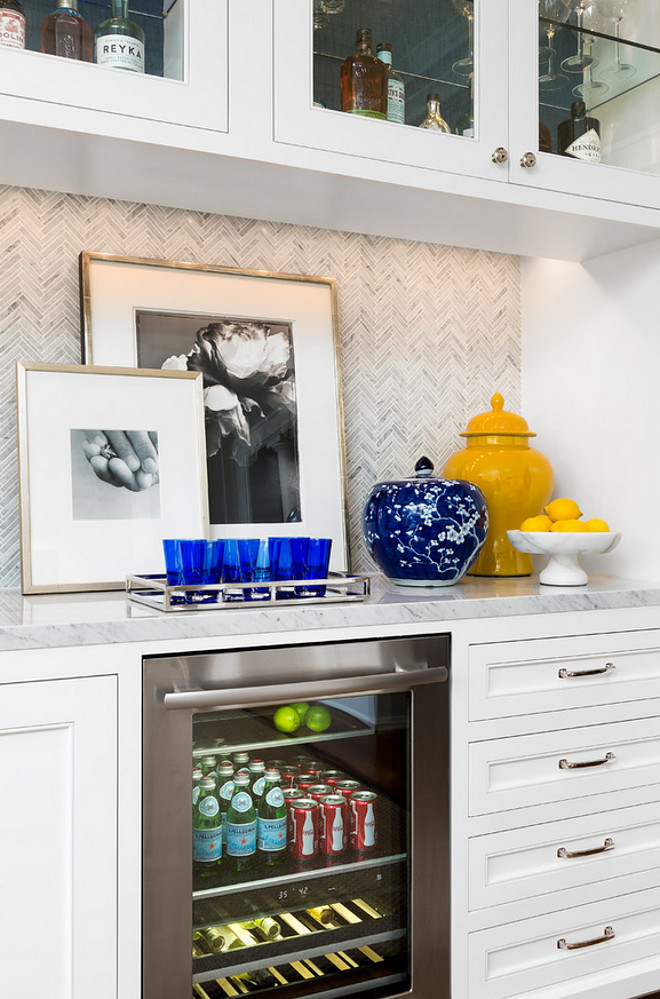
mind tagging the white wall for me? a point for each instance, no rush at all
(591, 391)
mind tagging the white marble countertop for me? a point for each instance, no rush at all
(60, 620)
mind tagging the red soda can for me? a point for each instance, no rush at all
(304, 843)
(347, 787)
(362, 806)
(318, 791)
(333, 827)
(331, 776)
(304, 781)
(290, 794)
(275, 765)
(312, 766)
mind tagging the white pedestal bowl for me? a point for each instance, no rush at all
(563, 568)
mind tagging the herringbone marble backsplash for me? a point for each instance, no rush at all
(427, 333)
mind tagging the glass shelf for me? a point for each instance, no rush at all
(150, 15)
(425, 48)
(248, 730)
(602, 86)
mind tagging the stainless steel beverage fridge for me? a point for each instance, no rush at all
(295, 821)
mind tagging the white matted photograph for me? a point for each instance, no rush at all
(111, 461)
(266, 345)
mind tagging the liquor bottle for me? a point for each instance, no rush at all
(65, 33)
(119, 42)
(465, 124)
(12, 24)
(545, 138)
(364, 80)
(271, 822)
(434, 120)
(579, 135)
(396, 88)
(241, 836)
(207, 829)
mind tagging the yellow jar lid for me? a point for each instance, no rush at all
(498, 421)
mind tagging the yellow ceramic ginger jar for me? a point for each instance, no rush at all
(515, 479)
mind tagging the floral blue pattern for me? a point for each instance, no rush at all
(425, 531)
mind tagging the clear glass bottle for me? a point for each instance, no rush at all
(364, 80)
(396, 88)
(65, 33)
(12, 24)
(434, 120)
(118, 41)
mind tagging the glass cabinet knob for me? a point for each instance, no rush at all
(500, 155)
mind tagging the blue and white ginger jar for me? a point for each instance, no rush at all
(425, 531)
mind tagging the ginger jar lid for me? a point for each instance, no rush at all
(497, 422)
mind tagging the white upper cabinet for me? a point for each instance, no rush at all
(607, 54)
(184, 82)
(453, 49)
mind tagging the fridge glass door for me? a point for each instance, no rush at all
(300, 878)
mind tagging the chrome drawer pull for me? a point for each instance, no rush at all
(569, 854)
(608, 934)
(568, 674)
(565, 765)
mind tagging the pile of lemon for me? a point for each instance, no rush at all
(563, 514)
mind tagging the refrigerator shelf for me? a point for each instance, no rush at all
(294, 948)
(152, 590)
(254, 729)
(362, 979)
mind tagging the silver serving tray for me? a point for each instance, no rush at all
(154, 591)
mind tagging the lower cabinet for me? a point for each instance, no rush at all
(58, 839)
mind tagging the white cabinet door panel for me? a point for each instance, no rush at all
(58, 839)
(568, 764)
(536, 860)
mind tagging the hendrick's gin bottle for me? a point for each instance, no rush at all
(579, 135)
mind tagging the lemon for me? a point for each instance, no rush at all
(540, 523)
(596, 524)
(569, 525)
(286, 718)
(318, 718)
(302, 708)
(563, 509)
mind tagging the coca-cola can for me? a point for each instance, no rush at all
(318, 791)
(304, 842)
(275, 765)
(332, 776)
(313, 766)
(290, 794)
(347, 787)
(333, 825)
(304, 781)
(364, 828)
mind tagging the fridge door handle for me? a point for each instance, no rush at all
(243, 697)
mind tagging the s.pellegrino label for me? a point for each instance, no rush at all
(207, 845)
(121, 52)
(585, 147)
(241, 838)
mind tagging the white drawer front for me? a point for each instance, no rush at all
(524, 957)
(536, 769)
(517, 678)
(524, 863)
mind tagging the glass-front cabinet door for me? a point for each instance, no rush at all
(585, 97)
(422, 84)
(159, 60)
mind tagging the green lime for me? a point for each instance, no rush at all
(286, 718)
(318, 718)
(302, 708)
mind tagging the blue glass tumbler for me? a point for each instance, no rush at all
(316, 566)
(173, 567)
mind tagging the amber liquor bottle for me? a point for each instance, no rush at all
(364, 80)
(12, 24)
(579, 135)
(65, 33)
